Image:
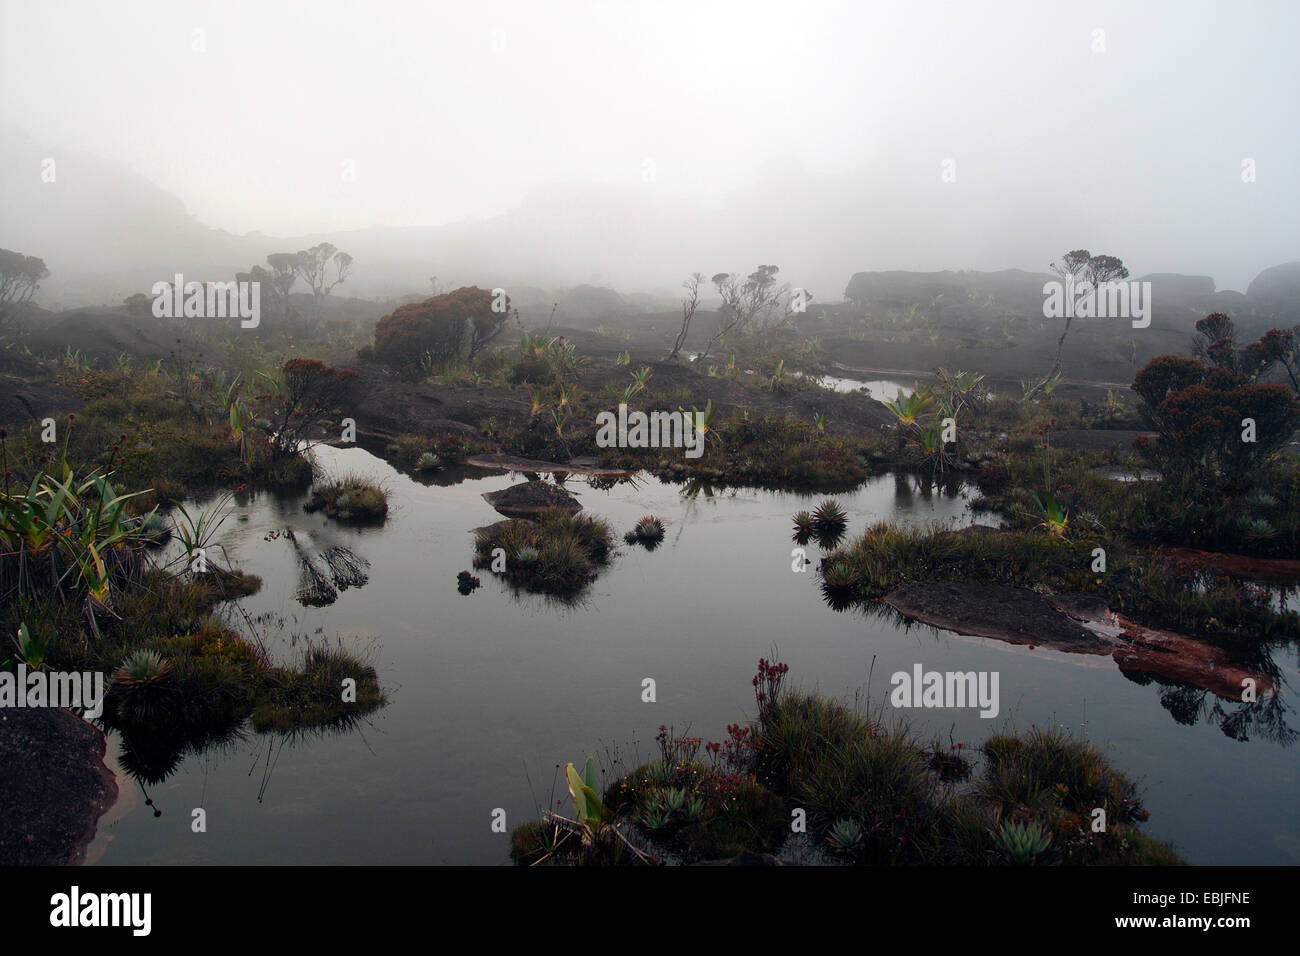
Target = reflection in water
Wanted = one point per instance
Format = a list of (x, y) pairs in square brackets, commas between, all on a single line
[(484, 673), (151, 754), (1186, 704), (1264, 719), (323, 575)]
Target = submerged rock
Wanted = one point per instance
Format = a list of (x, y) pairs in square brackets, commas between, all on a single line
[(531, 498)]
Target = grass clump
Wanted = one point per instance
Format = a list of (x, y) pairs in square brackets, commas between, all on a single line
[(351, 498), (1147, 588), (330, 688), (762, 451), (871, 791), (875, 795), (648, 532), (425, 453), (556, 553)]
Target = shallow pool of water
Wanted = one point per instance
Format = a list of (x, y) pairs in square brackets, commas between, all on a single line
[(490, 691)]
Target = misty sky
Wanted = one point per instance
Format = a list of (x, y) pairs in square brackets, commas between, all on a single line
[(830, 118)]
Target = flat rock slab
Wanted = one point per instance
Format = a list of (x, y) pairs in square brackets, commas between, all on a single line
[(537, 467), (1075, 624), (1007, 614), (531, 498), (54, 786)]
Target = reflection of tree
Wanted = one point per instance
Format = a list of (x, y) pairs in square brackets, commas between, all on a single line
[(693, 488), (322, 576), (1185, 703), (151, 754), (1263, 719), (607, 482)]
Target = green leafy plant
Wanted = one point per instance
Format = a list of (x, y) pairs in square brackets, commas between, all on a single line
[(845, 837), (1023, 843), (1053, 517)]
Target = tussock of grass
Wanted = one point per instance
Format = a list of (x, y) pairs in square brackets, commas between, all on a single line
[(1145, 587), (350, 498), (842, 765), (764, 451), (872, 792), (313, 695), (556, 553), (218, 677)]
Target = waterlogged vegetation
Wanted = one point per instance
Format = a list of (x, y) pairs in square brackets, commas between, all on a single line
[(852, 787), (648, 532), (102, 569), (350, 498), (557, 553), (1151, 589), (114, 559)]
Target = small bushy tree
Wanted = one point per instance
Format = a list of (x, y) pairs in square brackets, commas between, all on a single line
[(307, 391), (439, 328), (20, 277), (1201, 413)]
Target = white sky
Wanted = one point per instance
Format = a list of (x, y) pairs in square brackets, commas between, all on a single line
[(454, 110)]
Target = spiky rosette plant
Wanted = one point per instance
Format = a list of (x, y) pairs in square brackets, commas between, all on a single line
[(650, 528), (649, 531), (845, 837), (804, 527), (143, 685), (839, 575), (830, 518), (1023, 843)]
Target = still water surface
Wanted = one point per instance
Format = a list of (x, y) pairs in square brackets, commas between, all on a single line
[(491, 690)]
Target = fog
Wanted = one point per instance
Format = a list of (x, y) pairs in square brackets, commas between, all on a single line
[(631, 144)]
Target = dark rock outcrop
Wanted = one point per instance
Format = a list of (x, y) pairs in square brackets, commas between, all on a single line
[(1279, 284), (27, 390), (54, 787)]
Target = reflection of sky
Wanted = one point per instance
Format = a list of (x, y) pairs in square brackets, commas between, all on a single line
[(491, 690)]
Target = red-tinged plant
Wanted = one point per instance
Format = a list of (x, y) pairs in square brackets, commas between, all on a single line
[(308, 390), (437, 329), (767, 682), (1217, 428)]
